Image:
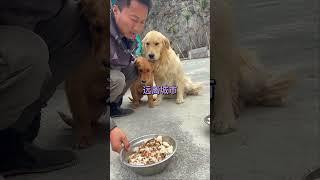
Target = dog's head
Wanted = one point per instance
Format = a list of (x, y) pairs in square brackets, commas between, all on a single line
[(145, 70), (154, 45)]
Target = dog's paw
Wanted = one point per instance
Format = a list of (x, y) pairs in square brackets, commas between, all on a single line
[(151, 105), (83, 142), (223, 127), (157, 102), (179, 101), (135, 105)]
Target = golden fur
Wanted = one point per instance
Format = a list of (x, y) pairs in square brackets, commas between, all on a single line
[(168, 69), (85, 87), (145, 78), (240, 79)]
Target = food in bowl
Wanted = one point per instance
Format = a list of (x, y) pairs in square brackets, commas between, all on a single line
[(152, 151)]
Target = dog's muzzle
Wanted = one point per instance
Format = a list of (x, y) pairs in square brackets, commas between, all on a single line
[(151, 56)]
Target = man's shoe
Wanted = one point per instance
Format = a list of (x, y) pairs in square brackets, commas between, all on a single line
[(120, 112), (313, 175), (36, 160)]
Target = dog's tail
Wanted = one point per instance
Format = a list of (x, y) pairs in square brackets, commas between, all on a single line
[(261, 86), (192, 88), (276, 90), (67, 119)]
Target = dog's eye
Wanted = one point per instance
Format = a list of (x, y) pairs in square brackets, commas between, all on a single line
[(140, 70), (147, 44), (156, 44)]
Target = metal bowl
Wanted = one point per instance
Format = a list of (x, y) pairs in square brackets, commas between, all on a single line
[(207, 120), (151, 169)]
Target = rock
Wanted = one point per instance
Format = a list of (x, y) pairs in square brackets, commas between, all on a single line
[(186, 23)]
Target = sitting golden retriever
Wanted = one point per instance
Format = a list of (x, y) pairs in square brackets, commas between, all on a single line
[(167, 66), (240, 79), (145, 78)]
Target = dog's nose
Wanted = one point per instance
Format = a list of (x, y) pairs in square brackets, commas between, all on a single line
[(151, 56), (143, 81)]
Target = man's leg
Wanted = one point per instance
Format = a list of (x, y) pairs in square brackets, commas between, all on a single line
[(118, 88), (117, 84), (23, 69), (131, 75), (116, 110), (313, 175)]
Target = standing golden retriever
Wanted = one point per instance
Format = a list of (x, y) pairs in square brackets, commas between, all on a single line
[(86, 86), (168, 69)]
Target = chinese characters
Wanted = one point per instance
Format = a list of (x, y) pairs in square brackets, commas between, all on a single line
[(166, 90)]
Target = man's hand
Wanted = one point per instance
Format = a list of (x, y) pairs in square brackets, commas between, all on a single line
[(117, 138)]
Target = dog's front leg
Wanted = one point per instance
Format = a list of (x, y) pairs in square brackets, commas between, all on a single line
[(224, 115), (80, 112), (158, 100), (150, 101), (225, 70), (160, 95), (180, 92), (135, 96)]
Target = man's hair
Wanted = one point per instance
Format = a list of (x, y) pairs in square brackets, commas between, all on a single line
[(126, 3)]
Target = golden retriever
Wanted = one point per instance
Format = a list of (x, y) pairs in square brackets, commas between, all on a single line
[(240, 79), (85, 87), (167, 66), (145, 78)]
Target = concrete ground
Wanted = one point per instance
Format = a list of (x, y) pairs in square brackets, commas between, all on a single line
[(55, 134), (183, 122), (277, 143)]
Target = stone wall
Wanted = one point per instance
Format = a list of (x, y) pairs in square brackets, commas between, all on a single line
[(185, 22)]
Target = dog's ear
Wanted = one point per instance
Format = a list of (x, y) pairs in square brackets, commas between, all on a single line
[(166, 43), (143, 45), (137, 62), (144, 41)]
